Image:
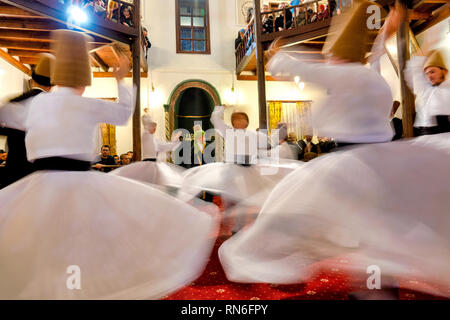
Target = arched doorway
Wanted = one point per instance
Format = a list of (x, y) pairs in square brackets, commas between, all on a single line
[(190, 103), (193, 106), (180, 106)]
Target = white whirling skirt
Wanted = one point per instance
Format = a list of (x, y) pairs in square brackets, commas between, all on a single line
[(384, 204), (129, 240), (235, 182), (159, 173)]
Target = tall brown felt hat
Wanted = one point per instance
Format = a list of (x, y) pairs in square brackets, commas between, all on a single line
[(72, 66), (350, 37), (435, 59), (42, 72), (45, 65)]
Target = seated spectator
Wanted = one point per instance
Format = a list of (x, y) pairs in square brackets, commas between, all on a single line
[(307, 146), (124, 159), (147, 41), (131, 156), (126, 16), (3, 156), (116, 158), (294, 145), (325, 145), (105, 159), (279, 22), (309, 156)]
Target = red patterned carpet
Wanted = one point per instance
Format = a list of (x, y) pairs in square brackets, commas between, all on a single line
[(328, 284)]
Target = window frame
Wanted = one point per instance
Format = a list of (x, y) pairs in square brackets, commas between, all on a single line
[(192, 27)]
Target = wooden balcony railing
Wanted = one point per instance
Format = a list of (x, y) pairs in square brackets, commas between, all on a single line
[(302, 15), (105, 17)]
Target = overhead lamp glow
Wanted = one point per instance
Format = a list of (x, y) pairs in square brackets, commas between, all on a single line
[(155, 98), (77, 15), (230, 96), (297, 79), (301, 85)]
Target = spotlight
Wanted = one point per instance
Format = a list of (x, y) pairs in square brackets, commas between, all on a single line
[(77, 15)]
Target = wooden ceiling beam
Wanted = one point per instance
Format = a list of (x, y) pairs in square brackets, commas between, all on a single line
[(11, 11), (17, 64), (28, 60), (34, 46), (21, 24), (99, 61), (111, 75), (25, 53), (416, 15), (36, 35), (25, 45), (40, 36), (245, 77), (437, 16)]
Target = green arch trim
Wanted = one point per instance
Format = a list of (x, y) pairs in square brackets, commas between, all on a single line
[(194, 80)]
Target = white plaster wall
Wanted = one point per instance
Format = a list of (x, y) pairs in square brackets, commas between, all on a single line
[(11, 84)]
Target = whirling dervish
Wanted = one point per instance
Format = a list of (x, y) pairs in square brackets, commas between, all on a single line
[(382, 206), (138, 244)]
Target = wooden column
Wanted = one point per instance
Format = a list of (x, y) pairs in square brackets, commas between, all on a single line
[(260, 70), (136, 52), (406, 95)]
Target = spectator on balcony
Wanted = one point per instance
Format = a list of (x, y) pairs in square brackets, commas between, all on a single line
[(239, 39), (267, 20), (249, 16), (279, 22), (294, 3), (322, 13), (343, 5), (147, 41), (126, 16), (113, 10), (98, 6), (301, 16)]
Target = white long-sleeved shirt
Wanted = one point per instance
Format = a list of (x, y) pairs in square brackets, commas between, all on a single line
[(14, 114), (358, 103), (430, 100), (151, 145), (238, 142), (63, 124)]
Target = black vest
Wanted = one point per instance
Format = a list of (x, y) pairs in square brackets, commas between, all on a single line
[(17, 165)]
